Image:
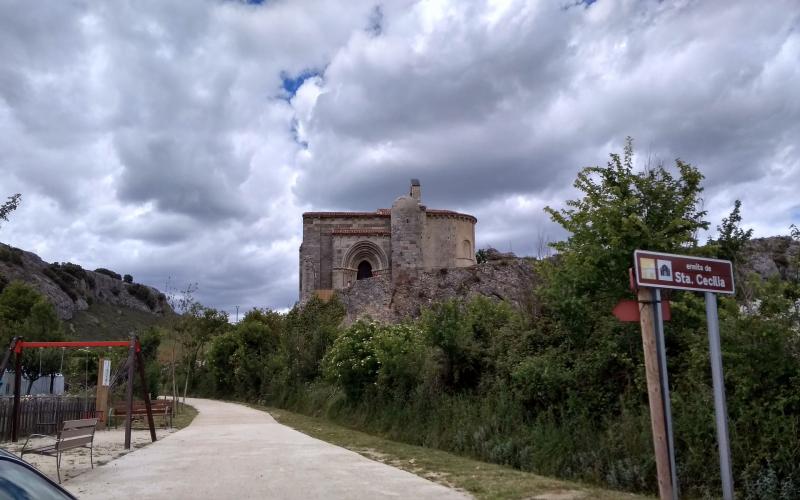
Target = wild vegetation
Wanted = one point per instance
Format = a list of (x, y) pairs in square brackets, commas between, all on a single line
[(561, 391)]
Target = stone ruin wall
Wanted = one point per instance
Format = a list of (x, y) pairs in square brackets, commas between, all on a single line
[(511, 279)]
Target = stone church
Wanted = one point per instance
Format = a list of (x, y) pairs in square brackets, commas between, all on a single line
[(340, 248)]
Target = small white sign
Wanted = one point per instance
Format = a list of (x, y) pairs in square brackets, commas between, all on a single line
[(664, 269), (106, 372)]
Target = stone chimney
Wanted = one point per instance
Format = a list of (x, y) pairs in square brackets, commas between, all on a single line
[(415, 190)]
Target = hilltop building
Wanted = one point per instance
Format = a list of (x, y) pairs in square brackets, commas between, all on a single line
[(340, 248)]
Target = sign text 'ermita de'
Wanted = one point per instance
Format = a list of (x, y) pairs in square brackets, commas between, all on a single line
[(683, 272)]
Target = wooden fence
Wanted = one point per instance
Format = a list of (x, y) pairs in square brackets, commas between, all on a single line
[(43, 414)]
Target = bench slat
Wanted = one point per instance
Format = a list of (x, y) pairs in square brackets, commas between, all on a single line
[(68, 444), (73, 433), (77, 424)]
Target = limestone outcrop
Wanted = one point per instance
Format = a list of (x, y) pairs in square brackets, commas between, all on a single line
[(509, 278), (71, 288)]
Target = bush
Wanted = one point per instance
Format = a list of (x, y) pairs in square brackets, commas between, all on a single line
[(352, 362), (108, 272), (65, 281), (127, 278), (10, 254), (144, 294)]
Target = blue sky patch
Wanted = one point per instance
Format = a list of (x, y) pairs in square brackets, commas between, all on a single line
[(291, 83)]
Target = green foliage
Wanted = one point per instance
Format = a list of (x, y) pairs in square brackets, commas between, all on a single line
[(310, 331), (150, 341), (562, 392), (481, 256), (10, 254), (352, 362), (108, 272), (732, 238), (127, 278), (144, 294), (620, 210), (66, 279), (243, 360), (9, 206), (27, 314)]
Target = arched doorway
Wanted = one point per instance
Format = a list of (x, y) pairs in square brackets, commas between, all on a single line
[(364, 270)]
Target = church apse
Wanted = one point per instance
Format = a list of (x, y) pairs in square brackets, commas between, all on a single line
[(340, 248)]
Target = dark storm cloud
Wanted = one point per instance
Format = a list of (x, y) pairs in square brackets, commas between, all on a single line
[(482, 104)]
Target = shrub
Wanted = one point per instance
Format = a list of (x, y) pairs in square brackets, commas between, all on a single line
[(10, 254), (108, 272), (127, 278), (143, 293), (65, 281), (352, 361)]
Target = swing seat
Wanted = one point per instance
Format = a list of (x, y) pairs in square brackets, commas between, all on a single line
[(73, 434)]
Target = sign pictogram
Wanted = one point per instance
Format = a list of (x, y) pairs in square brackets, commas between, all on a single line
[(683, 272)]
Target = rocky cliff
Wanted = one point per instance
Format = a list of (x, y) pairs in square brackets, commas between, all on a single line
[(501, 277), (72, 289), (507, 277)]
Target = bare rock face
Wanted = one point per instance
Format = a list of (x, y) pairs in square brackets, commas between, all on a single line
[(508, 278), (71, 288), (776, 256)]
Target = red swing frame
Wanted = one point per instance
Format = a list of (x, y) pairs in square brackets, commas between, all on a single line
[(134, 361)]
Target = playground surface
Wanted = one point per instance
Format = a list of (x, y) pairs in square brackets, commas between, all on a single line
[(232, 451), (109, 444)]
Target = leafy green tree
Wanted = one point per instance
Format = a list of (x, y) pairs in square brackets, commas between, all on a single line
[(26, 313), (310, 331), (621, 209), (732, 238), (9, 206), (193, 330)]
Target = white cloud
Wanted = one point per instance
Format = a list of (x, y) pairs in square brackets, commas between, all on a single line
[(158, 138)]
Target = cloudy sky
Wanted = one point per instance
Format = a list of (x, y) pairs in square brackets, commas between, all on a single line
[(182, 140)]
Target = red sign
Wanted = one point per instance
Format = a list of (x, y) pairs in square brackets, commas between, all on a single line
[(683, 272), (629, 311)]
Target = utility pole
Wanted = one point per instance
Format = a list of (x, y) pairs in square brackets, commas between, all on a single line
[(237, 314)]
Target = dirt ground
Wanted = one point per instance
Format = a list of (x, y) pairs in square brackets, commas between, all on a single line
[(108, 445)]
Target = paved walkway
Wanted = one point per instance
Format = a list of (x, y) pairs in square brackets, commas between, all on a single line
[(231, 451)]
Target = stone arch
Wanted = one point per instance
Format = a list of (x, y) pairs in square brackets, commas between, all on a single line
[(365, 251), (466, 249)]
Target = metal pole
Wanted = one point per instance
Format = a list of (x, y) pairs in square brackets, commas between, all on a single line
[(662, 365), (17, 384), (129, 394), (720, 408)]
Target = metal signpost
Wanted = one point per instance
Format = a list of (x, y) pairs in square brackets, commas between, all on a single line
[(654, 271)]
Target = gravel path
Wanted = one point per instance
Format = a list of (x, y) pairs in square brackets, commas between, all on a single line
[(231, 451)]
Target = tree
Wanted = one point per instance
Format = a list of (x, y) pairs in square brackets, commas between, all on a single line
[(732, 238), (193, 330), (622, 210), (9, 206), (26, 313)]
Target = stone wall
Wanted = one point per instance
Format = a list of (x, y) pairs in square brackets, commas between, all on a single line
[(510, 279)]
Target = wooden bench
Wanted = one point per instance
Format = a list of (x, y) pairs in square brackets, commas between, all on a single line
[(161, 408), (73, 434)]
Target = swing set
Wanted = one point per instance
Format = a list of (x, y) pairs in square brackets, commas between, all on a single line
[(134, 363)]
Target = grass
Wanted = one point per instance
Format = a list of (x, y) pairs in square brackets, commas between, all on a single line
[(110, 322), (483, 480), (181, 419), (184, 416)]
